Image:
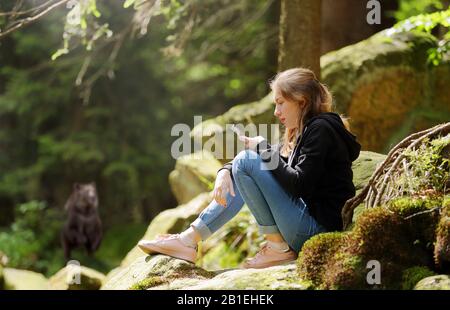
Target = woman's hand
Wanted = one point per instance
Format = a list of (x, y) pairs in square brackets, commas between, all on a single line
[(251, 143), (222, 186)]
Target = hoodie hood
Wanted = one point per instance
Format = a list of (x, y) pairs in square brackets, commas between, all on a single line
[(336, 122)]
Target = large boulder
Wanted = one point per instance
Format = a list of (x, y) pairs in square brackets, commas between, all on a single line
[(193, 174), (163, 272), (149, 271), (77, 278), (171, 221), (386, 87), (273, 278), (363, 168), (214, 132), (17, 279)]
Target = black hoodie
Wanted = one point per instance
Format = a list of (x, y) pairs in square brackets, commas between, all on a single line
[(319, 168)]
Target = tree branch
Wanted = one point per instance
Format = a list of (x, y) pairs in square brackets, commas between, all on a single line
[(32, 10), (31, 19)]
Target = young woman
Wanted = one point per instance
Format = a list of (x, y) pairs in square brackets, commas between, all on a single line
[(295, 189)]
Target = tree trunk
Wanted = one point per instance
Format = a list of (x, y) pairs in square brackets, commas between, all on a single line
[(300, 35)]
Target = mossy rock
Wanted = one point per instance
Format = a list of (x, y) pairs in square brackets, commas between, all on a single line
[(340, 260), (17, 279), (315, 252), (439, 282), (422, 220), (364, 167), (381, 233), (385, 86), (209, 133), (193, 174), (171, 221), (147, 271), (272, 278), (67, 279)]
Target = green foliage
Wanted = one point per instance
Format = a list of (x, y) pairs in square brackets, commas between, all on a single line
[(426, 23), (429, 167), (237, 240), (81, 25), (408, 8), (28, 240), (413, 275), (33, 241), (121, 139)]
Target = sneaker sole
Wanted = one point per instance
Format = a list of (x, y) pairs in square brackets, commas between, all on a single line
[(153, 249), (144, 249)]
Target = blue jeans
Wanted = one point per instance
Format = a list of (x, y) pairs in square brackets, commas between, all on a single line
[(274, 209)]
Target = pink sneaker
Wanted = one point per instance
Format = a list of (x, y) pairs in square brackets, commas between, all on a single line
[(268, 257), (169, 244), (142, 243)]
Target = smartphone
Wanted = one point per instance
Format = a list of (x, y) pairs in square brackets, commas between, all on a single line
[(239, 133), (236, 130)]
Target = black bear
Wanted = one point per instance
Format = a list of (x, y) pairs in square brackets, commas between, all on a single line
[(83, 226)]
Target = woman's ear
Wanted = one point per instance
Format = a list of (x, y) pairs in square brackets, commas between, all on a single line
[(302, 103)]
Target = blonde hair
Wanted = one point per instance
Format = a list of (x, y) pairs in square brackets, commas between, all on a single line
[(301, 84)]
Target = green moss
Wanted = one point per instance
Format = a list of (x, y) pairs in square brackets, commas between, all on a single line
[(412, 275), (380, 233), (147, 283), (315, 254), (405, 206), (186, 270), (421, 225), (345, 271), (446, 203)]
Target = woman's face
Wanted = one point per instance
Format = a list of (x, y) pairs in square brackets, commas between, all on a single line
[(286, 110)]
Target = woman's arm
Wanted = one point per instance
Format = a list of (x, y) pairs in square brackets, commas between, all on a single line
[(309, 167), (228, 166)]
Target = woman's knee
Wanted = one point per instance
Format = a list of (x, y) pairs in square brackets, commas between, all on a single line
[(245, 161)]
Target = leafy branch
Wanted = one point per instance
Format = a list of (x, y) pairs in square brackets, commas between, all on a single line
[(37, 13), (429, 23), (382, 185)]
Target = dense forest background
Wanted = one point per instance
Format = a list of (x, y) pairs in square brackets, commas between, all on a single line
[(105, 114)]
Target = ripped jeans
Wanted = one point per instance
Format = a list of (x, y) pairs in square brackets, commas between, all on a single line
[(274, 209)]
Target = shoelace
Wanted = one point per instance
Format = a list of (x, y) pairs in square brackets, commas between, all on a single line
[(262, 251)]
